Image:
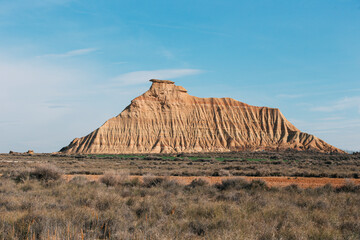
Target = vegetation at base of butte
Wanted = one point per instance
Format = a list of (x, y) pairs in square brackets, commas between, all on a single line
[(258, 164)]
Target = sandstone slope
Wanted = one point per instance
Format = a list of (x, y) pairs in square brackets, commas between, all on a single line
[(166, 119)]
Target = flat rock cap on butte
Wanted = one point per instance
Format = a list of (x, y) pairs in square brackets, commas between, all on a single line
[(166, 119), (161, 81)]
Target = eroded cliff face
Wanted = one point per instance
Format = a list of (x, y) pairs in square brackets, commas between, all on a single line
[(166, 119)]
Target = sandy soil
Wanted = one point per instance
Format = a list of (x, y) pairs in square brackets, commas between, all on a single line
[(271, 181)]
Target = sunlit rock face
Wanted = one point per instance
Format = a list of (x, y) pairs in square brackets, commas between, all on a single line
[(166, 119)]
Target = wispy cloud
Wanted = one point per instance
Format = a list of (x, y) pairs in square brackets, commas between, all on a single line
[(72, 53), (317, 93), (342, 104), (338, 131), (290, 96), (10, 6), (32, 82), (58, 106), (168, 54), (331, 126), (192, 28), (138, 77), (335, 118)]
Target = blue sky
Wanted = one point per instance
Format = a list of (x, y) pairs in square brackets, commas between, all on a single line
[(67, 66)]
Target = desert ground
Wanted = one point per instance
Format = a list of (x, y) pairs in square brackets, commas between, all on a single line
[(244, 195)]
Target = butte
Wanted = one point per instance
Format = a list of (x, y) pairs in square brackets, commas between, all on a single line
[(166, 119)]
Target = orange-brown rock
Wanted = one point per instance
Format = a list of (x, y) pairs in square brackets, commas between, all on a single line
[(166, 119), (30, 152)]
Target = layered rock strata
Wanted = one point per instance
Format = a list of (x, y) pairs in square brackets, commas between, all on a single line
[(166, 119)]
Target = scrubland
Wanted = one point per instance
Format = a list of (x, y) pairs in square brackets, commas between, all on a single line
[(289, 163), (36, 203)]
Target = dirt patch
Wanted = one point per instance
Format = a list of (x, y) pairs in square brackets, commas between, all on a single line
[(302, 182)]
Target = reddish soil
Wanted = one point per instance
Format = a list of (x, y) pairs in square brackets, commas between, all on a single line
[(271, 181)]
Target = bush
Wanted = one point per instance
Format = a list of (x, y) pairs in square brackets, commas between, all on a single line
[(113, 178), (222, 172), (257, 184), (198, 183), (152, 181), (232, 183), (46, 172), (43, 172), (79, 180), (197, 228), (20, 175), (171, 185), (349, 186), (293, 188), (132, 182)]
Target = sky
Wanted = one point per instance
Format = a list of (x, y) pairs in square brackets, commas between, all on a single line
[(68, 66)]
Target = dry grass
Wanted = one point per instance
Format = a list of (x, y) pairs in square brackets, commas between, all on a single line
[(123, 208), (302, 182)]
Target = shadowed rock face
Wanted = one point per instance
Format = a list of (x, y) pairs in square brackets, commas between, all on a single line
[(166, 119)]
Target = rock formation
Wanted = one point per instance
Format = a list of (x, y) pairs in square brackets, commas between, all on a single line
[(166, 119)]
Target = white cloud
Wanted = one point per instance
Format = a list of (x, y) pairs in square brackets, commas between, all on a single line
[(138, 77), (72, 53), (342, 104)]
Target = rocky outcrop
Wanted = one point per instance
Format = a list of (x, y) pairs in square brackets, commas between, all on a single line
[(166, 119)]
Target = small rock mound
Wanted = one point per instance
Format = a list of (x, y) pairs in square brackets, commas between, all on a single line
[(30, 152)]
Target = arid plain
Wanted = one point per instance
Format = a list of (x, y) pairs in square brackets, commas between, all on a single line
[(243, 195)]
